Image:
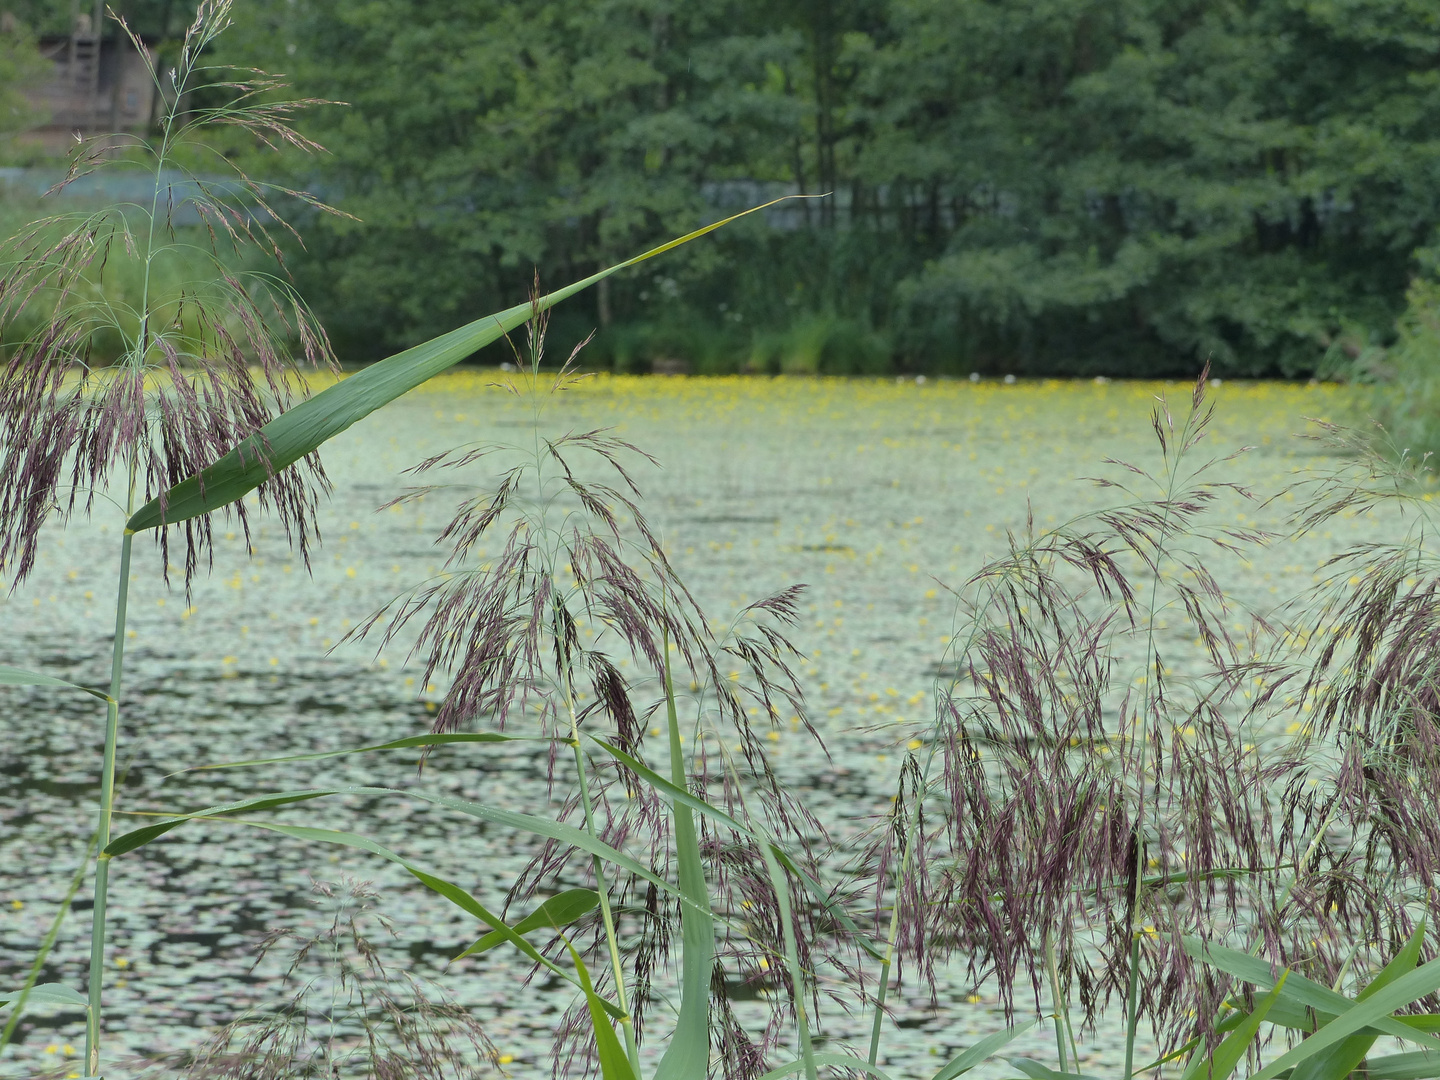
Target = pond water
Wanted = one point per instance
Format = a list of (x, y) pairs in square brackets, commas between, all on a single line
[(873, 494)]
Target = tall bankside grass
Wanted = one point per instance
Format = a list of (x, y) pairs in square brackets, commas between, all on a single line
[(1248, 849)]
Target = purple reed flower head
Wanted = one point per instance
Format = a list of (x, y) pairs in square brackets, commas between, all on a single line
[(560, 608), (144, 357)]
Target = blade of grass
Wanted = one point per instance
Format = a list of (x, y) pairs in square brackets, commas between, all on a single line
[(1037, 1071), (688, 1054), (1342, 1060), (1223, 1061), (1418, 1065), (614, 1065), (303, 429), (983, 1050), (1300, 991), (46, 945), (560, 910), (46, 994), (398, 744), (13, 676), (714, 813), (543, 827), (792, 959), (839, 1061), (1405, 989)]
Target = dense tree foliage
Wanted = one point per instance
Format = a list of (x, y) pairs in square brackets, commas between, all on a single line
[(1120, 186)]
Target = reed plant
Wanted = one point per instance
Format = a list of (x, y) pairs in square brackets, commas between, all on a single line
[(1080, 823)]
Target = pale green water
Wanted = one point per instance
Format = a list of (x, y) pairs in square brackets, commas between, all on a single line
[(866, 492)]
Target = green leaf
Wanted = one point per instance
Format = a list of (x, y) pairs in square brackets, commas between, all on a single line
[(1037, 1071), (1402, 963), (448, 889), (398, 744), (47, 994), (1223, 1061), (984, 1049), (1298, 991), (1034, 1070), (540, 826), (510, 819), (676, 793), (143, 835), (314, 421), (614, 1065), (688, 1055), (560, 910), (1419, 1065), (1405, 989), (1340, 1061), (14, 676), (840, 1061)]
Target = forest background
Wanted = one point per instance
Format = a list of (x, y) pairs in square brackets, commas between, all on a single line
[(1117, 187)]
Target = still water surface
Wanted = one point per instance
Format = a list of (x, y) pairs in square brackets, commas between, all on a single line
[(875, 495)]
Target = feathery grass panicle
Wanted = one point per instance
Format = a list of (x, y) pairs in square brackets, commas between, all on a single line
[(558, 608), (1081, 794), (1087, 799), (146, 348), (349, 1014)]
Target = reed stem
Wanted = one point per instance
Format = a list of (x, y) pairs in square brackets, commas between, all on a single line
[(107, 807)]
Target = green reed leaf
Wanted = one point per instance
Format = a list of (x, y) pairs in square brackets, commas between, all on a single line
[(449, 890), (140, 837), (678, 794), (560, 910), (314, 421), (1302, 992), (14, 676), (688, 1054), (510, 819), (1223, 1061), (983, 1050), (1341, 1060), (1036, 1071), (1417, 1065), (840, 1061), (398, 744), (614, 1065), (1372, 1011), (47, 994)]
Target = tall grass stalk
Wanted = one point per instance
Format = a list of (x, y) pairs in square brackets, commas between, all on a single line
[(47, 944), (183, 385), (107, 808)]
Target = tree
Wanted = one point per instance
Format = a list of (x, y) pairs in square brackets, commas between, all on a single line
[(1138, 186), (1126, 186)]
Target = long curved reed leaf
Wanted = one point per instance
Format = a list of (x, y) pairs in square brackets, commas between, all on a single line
[(1370, 1012), (560, 910), (688, 1053), (1222, 1061), (1416, 1065), (14, 676), (48, 994), (1302, 992), (678, 794), (614, 1065), (510, 819), (1343, 1059), (841, 1061), (300, 431), (433, 739), (986, 1048)]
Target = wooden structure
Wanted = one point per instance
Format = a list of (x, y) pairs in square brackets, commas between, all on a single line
[(100, 84)]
